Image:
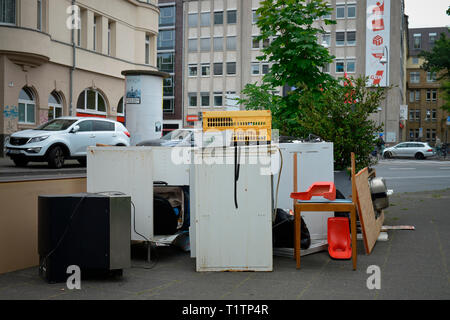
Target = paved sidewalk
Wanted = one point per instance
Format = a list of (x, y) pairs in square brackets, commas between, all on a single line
[(414, 265)]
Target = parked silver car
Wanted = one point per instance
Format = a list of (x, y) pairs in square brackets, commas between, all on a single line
[(418, 150), (64, 138)]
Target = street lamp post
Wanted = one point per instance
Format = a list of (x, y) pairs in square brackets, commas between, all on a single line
[(385, 61)]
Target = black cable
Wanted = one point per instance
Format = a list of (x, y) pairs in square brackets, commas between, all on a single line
[(236, 174)]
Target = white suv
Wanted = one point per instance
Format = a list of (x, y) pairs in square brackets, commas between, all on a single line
[(64, 138)]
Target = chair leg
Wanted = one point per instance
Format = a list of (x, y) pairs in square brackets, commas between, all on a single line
[(353, 226)]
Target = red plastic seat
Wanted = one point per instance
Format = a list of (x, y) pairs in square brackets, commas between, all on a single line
[(324, 189), (339, 243)]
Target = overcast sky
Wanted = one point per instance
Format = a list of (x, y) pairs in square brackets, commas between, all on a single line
[(427, 13)]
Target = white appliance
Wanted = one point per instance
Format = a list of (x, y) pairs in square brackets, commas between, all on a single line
[(315, 163), (132, 170), (222, 236)]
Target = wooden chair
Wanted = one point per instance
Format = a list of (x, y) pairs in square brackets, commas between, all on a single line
[(338, 205)]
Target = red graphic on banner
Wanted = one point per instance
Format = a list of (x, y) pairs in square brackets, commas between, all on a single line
[(378, 55), (378, 40), (377, 77), (378, 23)]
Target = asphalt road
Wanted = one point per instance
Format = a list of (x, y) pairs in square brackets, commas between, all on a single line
[(405, 175)]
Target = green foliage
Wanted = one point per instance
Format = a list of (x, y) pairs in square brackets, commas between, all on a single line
[(438, 60), (342, 115)]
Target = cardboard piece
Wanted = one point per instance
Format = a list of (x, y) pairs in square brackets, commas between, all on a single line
[(370, 225)]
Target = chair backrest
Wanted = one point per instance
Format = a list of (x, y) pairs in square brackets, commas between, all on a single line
[(338, 233)]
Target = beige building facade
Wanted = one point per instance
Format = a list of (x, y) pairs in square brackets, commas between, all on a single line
[(64, 57)]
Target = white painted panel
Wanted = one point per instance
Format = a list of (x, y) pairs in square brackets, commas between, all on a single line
[(315, 163), (227, 238), (127, 170)]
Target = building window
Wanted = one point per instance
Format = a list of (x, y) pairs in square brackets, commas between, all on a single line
[(351, 38), (415, 60), (417, 95), (218, 99), (411, 96), (165, 62), (91, 100), (192, 97), (255, 17), (231, 43), (205, 19), (265, 68), (168, 105), (231, 16), (192, 70), (8, 11), (411, 115), (428, 115), (351, 11), (94, 45), (431, 76), (418, 115), (414, 77), (54, 106), (193, 20), (340, 11), (206, 69), (218, 17), (231, 68), (326, 68), (218, 44), (417, 40), (168, 86), (433, 134), (340, 66), (351, 66), (255, 68), (434, 95), (27, 106), (218, 69), (428, 134), (255, 42), (109, 38), (265, 43), (340, 38), (416, 133), (428, 95), (327, 16), (166, 16), (147, 49), (121, 107), (166, 39), (205, 44), (204, 99), (193, 45), (326, 39), (411, 134), (39, 14), (433, 114), (432, 38)]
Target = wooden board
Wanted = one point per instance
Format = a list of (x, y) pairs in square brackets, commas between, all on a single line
[(370, 226)]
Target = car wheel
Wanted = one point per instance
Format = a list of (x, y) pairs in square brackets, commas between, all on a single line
[(388, 155), (20, 162), (82, 162), (56, 157), (419, 156)]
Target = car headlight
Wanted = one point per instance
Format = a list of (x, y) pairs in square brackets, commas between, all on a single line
[(38, 139)]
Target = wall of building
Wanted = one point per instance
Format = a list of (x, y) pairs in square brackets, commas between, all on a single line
[(18, 221)]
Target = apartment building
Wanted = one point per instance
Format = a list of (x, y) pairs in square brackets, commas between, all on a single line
[(426, 119), (220, 52), (66, 57), (170, 52)]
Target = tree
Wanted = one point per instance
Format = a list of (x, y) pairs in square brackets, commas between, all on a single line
[(296, 57), (438, 60)]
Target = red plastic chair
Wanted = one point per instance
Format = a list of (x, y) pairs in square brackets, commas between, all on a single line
[(339, 243), (317, 189)]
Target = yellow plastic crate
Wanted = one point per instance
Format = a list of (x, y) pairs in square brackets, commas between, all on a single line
[(253, 125)]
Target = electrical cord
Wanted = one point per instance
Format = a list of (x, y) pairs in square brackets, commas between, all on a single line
[(278, 185), (236, 173)]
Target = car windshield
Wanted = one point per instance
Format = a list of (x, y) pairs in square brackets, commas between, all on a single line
[(56, 125), (178, 134)]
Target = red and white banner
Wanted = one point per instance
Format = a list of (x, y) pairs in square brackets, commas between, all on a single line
[(378, 25)]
